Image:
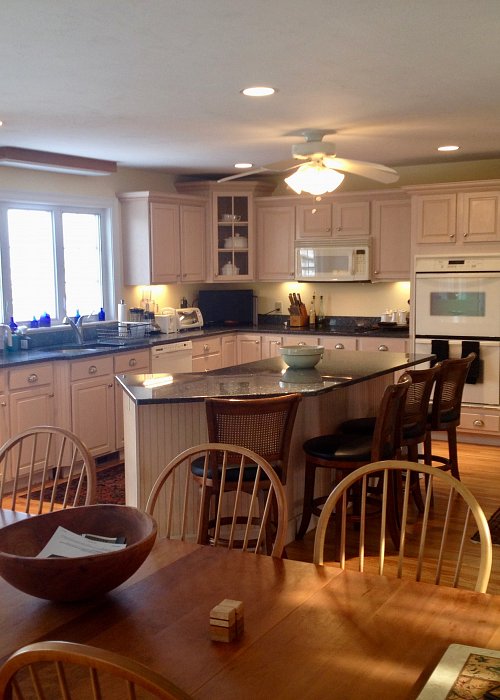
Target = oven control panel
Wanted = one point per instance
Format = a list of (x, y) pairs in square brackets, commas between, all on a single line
[(456, 263)]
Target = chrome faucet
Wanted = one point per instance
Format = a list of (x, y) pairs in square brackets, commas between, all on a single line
[(6, 332), (77, 328)]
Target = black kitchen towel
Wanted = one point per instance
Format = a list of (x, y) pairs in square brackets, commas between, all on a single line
[(469, 346), (441, 349)]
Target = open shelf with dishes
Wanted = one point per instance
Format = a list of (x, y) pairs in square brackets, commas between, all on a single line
[(232, 236)]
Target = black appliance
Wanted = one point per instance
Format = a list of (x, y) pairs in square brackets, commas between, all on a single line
[(226, 307)]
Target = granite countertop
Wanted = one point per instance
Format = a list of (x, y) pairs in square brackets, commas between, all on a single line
[(90, 349), (267, 378)]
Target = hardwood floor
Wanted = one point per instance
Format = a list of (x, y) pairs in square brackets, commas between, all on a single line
[(480, 472)]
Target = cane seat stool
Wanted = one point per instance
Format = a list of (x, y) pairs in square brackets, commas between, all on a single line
[(343, 453), (446, 409), (262, 425)]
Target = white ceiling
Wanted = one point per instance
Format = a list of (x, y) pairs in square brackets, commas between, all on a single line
[(156, 83)]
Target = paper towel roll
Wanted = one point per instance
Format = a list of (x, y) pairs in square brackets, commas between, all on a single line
[(122, 311)]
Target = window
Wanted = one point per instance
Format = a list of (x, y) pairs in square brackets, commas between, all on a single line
[(52, 261)]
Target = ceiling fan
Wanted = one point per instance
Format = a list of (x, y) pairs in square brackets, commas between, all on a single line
[(317, 167)]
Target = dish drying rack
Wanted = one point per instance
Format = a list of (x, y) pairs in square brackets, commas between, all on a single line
[(125, 333)]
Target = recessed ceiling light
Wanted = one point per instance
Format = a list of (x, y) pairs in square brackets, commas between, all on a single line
[(242, 166), (1, 122), (448, 148), (258, 91)]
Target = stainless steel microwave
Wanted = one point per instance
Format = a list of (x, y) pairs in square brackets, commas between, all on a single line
[(332, 262)]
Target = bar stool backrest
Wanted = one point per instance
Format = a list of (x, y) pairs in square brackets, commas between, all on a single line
[(447, 399)]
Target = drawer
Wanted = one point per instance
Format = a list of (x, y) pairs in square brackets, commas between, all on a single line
[(30, 376), (92, 367), (383, 344), (131, 361), (207, 346), (480, 422)]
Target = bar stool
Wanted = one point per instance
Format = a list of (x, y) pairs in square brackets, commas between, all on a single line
[(446, 409), (262, 425), (343, 452)]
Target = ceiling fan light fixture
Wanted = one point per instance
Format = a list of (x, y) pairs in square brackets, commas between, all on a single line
[(315, 179)]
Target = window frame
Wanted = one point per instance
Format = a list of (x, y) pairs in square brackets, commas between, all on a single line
[(105, 208)]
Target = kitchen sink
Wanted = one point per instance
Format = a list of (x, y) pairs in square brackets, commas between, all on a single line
[(76, 350)]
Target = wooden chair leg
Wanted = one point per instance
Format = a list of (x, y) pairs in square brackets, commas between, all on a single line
[(416, 491), (307, 508), (452, 452)]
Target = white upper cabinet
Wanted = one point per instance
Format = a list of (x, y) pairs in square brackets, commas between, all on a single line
[(275, 241), (391, 239), (232, 215), (327, 220), (163, 238), (457, 216)]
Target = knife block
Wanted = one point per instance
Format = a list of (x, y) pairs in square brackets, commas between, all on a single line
[(299, 320)]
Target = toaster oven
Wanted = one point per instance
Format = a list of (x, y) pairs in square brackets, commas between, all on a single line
[(189, 318)]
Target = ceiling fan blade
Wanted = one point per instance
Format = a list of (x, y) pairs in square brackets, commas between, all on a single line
[(282, 165), (257, 171), (373, 171)]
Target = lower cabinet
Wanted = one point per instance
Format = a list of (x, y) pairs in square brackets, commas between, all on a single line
[(137, 362), (229, 351), (207, 354), (31, 398), (337, 342), (383, 344), (249, 347), (93, 403), (270, 346)]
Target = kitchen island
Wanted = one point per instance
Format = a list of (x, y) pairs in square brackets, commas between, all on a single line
[(165, 414)]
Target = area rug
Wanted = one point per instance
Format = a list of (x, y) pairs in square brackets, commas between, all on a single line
[(494, 523), (110, 486)]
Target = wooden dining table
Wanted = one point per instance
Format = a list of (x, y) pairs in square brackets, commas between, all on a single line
[(310, 632)]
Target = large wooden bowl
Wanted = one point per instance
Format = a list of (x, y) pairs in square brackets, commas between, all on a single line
[(75, 578)]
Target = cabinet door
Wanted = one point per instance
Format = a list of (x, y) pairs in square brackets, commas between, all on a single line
[(229, 351), (4, 418), (351, 220), (93, 413), (165, 251), (270, 346), (391, 239), (435, 218), (206, 363), (478, 217), (275, 242), (234, 244), (314, 220), (30, 407), (192, 243), (249, 348)]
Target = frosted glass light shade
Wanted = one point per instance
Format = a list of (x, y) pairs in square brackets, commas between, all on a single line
[(315, 179)]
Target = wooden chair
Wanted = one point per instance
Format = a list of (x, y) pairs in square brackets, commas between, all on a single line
[(79, 672), (238, 518), (451, 513), (45, 468), (446, 409), (346, 452)]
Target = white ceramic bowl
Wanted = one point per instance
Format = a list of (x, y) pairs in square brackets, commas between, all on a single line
[(302, 356)]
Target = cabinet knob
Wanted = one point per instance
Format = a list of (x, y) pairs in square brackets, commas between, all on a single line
[(110, 386), (465, 234), (452, 235), (92, 369), (478, 423), (301, 343), (375, 272), (3, 403), (339, 228), (383, 348), (257, 342), (132, 362), (32, 378), (205, 348), (51, 396), (340, 346)]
